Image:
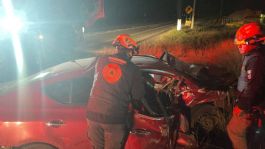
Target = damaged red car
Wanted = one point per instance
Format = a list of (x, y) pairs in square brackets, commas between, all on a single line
[(48, 109)]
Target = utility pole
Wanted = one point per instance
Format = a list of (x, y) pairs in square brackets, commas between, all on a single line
[(193, 15)]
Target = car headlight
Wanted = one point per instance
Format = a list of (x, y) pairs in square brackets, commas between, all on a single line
[(11, 24)]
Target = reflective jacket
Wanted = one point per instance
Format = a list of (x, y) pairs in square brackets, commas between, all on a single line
[(251, 83), (116, 82)]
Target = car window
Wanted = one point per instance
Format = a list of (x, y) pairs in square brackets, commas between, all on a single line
[(74, 91), (174, 84), (166, 87), (162, 81), (150, 94), (158, 100)]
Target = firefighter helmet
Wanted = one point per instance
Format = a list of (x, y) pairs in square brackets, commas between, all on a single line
[(247, 37), (124, 41)]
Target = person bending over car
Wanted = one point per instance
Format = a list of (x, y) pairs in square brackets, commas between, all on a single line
[(117, 81), (251, 83)]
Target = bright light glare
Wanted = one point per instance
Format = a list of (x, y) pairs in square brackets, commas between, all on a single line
[(11, 24), (19, 123), (18, 54), (41, 37), (7, 124), (41, 75)]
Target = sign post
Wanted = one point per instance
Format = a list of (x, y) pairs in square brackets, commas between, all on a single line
[(193, 14), (188, 11)]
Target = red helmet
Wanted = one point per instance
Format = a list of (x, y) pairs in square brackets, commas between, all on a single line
[(247, 37), (125, 41)]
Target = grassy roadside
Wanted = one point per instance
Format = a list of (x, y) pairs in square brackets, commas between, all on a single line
[(208, 44), (199, 38)]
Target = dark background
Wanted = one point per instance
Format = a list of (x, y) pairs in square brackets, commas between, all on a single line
[(118, 12)]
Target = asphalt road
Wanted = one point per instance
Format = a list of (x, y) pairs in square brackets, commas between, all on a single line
[(99, 40)]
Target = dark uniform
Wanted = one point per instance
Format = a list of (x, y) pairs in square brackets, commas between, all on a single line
[(117, 81), (251, 83), (251, 88)]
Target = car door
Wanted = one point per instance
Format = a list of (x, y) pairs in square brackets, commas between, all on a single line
[(151, 131), (66, 119)]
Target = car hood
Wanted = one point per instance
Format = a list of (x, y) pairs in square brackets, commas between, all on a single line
[(211, 77)]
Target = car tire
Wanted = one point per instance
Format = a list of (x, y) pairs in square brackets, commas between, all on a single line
[(208, 124), (37, 146), (208, 116)]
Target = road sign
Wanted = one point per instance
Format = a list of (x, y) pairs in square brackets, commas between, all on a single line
[(188, 9)]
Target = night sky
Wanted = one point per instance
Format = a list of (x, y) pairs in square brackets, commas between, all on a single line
[(129, 11), (137, 11)]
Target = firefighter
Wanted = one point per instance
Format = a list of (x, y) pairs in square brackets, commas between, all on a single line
[(251, 83), (117, 81)]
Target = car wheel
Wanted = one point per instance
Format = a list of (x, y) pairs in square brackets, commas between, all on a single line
[(208, 124), (37, 146)]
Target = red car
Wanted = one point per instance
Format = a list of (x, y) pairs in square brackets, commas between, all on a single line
[(48, 109)]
